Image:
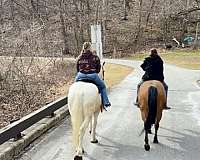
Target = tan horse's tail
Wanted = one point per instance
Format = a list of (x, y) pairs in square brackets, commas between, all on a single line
[(152, 104), (77, 118)]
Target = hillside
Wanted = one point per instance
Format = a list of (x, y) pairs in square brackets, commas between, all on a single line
[(54, 28)]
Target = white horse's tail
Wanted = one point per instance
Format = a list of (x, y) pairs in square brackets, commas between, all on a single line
[(77, 118)]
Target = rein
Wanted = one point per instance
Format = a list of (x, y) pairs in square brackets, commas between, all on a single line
[(103, 72)]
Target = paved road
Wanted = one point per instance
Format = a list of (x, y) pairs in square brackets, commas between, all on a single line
[(118, 129)]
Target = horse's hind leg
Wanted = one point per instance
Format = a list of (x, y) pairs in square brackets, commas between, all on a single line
[(95, 116), (156, 130), (90, 126), (149, 131), (83, 128), (147, 127), (146, 140)]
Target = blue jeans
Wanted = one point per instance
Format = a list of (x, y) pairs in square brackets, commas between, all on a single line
[(98, 81), (164, 85)]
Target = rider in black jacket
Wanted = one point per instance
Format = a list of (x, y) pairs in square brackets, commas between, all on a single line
[(153, 67)]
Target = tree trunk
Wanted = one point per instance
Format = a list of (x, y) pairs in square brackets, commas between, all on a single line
[(81, 23), (138, 34), (104, 19), (125, 9), (97, 12), (76, 28), (88, 16), (149, 13), (1, 11), (12, 12), (196, 36), (64, 35)]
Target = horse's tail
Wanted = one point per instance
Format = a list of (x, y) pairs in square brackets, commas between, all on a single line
[(152, 104), (77, 118)]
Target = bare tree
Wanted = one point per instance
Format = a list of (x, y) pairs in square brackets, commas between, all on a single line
[(139, 29), (65, 49)]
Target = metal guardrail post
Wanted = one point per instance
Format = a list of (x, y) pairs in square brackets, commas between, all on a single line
[(19, 135)]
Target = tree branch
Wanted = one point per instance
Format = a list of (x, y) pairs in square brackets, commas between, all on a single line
[(190, 10)]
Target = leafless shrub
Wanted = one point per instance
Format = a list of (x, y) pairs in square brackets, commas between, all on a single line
[(29, 83)]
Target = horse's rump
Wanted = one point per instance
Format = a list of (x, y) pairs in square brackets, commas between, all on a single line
[(151, 98), (88, 92), (146, 91), (83, 101)]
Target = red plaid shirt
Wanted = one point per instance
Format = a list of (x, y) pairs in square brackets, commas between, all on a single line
[(88, 63)]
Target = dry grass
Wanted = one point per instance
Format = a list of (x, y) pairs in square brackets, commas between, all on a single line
[(26, 85), (187, 59), (53, 82), (114, 74)]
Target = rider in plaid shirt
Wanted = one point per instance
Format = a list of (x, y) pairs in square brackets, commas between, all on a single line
[(88, 67)]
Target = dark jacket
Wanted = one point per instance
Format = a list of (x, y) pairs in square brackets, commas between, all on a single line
[(153, 67), (88, 63)]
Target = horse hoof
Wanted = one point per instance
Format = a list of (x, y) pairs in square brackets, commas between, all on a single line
[(82, 151), (95, 141), (147, 147), (155, 141), (78, 158), (149, 131)]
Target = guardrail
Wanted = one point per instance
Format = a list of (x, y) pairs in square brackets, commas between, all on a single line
[(14, 129)]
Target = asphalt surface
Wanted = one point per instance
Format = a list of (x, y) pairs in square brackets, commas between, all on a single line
[(118, 129)]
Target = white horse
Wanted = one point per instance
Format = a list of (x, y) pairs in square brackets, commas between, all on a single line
[(84, 102)]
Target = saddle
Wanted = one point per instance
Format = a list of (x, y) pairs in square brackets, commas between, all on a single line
[(89, 81)]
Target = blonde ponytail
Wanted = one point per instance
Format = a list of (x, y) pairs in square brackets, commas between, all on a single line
[(86, 46)]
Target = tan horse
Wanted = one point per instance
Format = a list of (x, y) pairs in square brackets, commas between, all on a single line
[(151, 98)]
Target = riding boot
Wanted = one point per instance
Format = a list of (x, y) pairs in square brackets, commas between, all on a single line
[(166, 92), (166, 107), (138, 86)]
